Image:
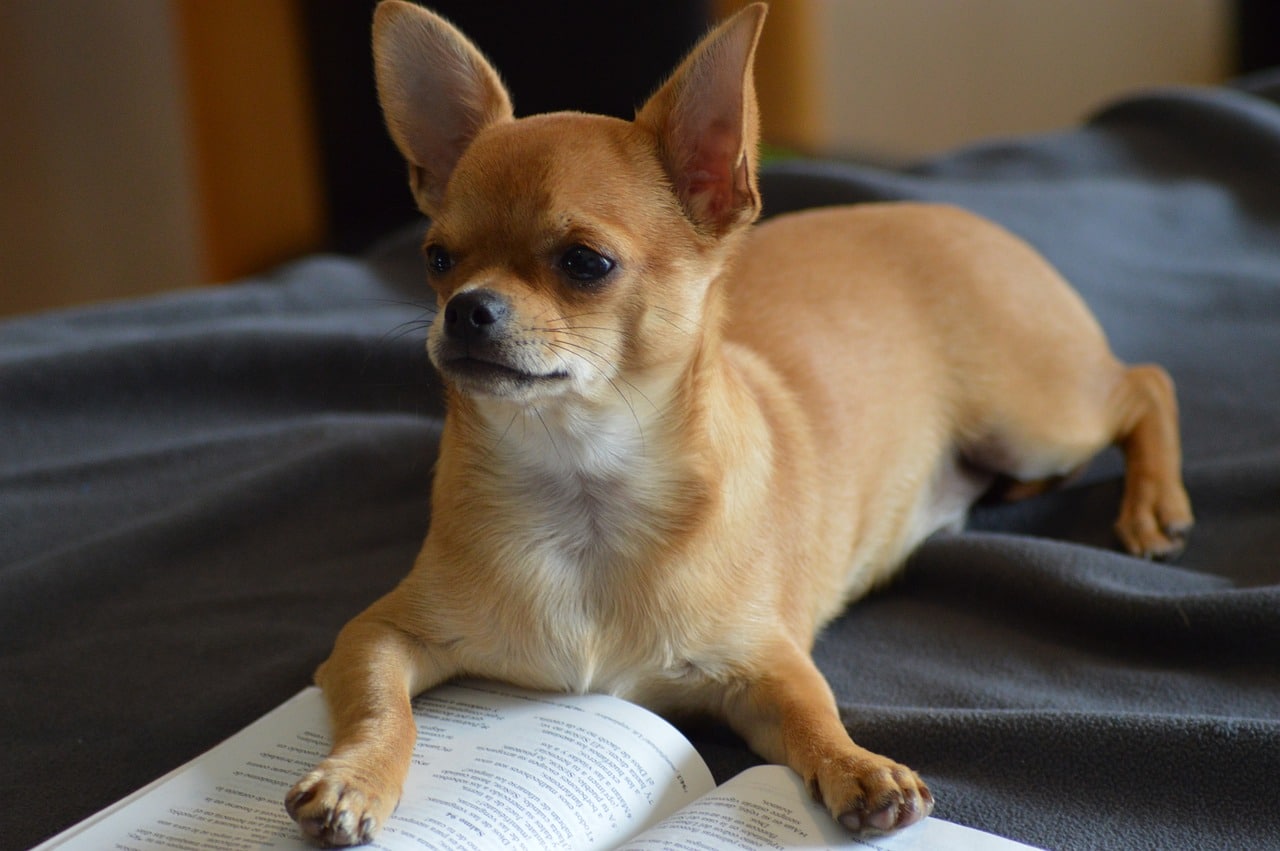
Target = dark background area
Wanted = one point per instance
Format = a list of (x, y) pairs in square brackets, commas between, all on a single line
[(1258, 34), (603, 57), (587, 55)]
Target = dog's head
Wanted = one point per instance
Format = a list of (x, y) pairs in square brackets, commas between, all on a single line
[(569, 253)]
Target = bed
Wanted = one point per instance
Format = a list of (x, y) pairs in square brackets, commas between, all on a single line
[(197, 490)]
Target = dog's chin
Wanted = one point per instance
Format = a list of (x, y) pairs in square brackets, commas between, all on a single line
[(484, 378)]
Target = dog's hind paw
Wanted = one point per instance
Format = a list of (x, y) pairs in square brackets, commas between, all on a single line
[(1155, 521), (334, 811)]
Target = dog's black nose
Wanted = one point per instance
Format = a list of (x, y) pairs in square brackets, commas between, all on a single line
[(475, 314)]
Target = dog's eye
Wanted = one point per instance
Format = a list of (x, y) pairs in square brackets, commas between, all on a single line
[(585, 266), (438, 259)]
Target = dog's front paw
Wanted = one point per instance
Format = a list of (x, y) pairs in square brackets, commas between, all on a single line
[(871, 794), (335, 806)]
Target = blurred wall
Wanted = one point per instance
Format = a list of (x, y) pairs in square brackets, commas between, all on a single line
[(96, 188), (149, 145), (902, 78)]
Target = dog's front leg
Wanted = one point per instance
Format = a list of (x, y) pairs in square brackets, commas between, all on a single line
[(368, 680), (787, 714)]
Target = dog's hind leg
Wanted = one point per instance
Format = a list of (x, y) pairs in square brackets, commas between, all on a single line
[(1155, 516), (1049, 426)]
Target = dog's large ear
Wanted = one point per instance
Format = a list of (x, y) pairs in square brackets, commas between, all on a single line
[(437, 92), (706, 124)]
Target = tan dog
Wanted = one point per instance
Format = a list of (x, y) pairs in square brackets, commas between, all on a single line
[(677, 444)]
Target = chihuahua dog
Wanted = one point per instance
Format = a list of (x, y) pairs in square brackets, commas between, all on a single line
[(677, 443)]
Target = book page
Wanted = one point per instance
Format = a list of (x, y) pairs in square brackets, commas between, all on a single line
[(768, 807), (494, 767)]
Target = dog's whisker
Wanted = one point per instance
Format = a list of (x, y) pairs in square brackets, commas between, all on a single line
[(694, 327), (632, 409), (613, 348), (400, 302), (565, 317), (577, 329), (565, 363), (396, 333), (613, 383), (403, 330), (599, 363), (581, 351), (497, 444), (547, 429)]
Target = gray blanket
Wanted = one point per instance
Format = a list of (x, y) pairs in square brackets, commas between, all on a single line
[(197, 490)]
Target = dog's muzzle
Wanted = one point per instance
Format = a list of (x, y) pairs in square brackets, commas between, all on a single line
[(482, 349)]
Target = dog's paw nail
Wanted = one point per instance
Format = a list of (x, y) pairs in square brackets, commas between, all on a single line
[(852, 821), (880, 821), (297, 800), (883, 820)]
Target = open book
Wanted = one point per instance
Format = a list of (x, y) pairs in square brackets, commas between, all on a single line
[(496, 768)]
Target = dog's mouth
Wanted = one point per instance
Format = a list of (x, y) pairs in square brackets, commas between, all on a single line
[(486, 376)]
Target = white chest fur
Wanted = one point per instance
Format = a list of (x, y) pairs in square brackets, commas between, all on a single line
[(576, 511), (587, 483)]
